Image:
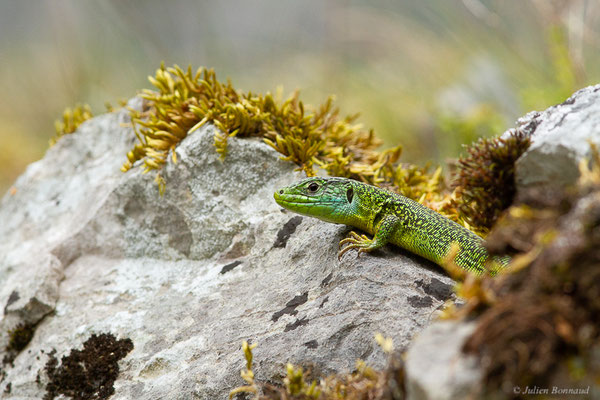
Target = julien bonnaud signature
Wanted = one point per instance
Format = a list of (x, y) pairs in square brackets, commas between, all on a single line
[(551, 390)]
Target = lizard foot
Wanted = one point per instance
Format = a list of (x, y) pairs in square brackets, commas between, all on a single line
[(356, 241)]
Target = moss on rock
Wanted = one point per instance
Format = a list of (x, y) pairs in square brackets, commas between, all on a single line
[(185, 100), (543, 312), (89, 373), (485, 182), (71, 119)]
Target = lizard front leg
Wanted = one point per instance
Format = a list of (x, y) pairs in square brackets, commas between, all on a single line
[(383, 232)]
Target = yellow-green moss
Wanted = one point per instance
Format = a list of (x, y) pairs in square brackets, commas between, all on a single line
[(71, 119), (364, 383), (185, 100)]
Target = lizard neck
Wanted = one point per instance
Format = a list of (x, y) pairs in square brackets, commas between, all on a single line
[(363, 210)]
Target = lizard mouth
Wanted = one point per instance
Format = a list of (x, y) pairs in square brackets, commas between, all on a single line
[(287, 199)]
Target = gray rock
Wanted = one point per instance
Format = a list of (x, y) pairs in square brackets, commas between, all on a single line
[(33, 296), (190, 275), (436, 368), (561, 137)]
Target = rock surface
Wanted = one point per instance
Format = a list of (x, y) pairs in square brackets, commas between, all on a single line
[(86, 249), (436, 367), (561, 137)]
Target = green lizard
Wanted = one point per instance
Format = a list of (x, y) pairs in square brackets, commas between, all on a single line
[(389, 217)]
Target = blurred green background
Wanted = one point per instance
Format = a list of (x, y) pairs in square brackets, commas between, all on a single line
[(432, 75)]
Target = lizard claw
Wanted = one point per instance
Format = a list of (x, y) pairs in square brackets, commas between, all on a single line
[(355, 241)]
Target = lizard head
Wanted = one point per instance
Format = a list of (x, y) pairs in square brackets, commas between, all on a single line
[(329, 199)]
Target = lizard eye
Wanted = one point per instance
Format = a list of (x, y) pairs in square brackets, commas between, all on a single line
[(313, 187)]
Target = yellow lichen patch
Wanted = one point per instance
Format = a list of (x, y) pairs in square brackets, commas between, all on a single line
[(71, 119), (185, 100)]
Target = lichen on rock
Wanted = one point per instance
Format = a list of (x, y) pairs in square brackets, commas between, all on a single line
[(189, 275)]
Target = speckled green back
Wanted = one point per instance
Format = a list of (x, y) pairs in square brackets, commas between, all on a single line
[(424, 231)]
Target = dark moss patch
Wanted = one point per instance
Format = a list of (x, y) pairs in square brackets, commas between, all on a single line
[(230, 266), (89, 373), (19, 338), (286, 231), (485, 182), (290, 307)]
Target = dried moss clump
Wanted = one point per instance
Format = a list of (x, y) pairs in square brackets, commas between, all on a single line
[(364, 383), (485, 182), (186, 100), (544, 315), (89, 373), (71, 119)]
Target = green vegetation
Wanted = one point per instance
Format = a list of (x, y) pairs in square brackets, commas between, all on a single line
[(364, 383), (71, 119), (566, 79), (186, 100)]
